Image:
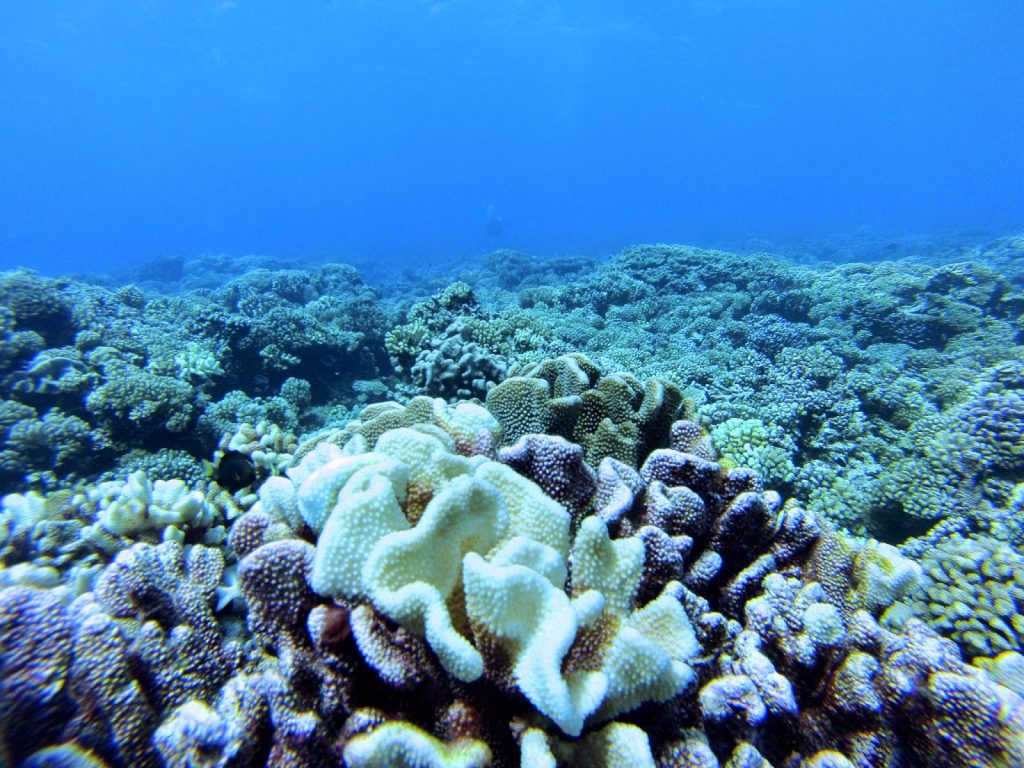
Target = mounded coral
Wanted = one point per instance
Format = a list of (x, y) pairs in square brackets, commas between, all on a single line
[(615, 415), (472, 427), (137, 506), (750, 443), (404, 343), (974, 593), (511, 543), (456, 367), (131, 400)]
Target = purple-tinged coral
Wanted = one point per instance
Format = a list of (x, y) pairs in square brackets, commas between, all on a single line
[(143, 642), (663, 561), (35, 651), (115, 717), (690, 751), (681, 469), (688, 437), (254, 529), (619, 488), (743, 528), (275, 582), (732, 703), (195, 734), (677, 510), (850, 687), (556, 465), (401, 659), (279, 731), (163, 599)]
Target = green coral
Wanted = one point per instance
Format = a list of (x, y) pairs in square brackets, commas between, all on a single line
[(54, 374), (751, 443), (197, 363), (996, 422), (441, 310), (456, 367), (965, 460), (882, 374), (512, 333), (974, 593), (845, 494), (405, 342), (937, 479)]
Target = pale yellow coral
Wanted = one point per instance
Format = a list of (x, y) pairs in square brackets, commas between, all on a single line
[(402, 745), (410, 574), (469, 554), (617, 745)]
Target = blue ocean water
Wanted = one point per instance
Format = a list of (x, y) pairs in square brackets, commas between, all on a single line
[(399, 129)]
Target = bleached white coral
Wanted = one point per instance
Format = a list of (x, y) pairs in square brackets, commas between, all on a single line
[(197, 363), (471, 555), (19, 512), (403, 745), (270, 447), (537, 623), (138, 505)]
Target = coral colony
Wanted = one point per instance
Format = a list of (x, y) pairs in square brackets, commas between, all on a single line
[(681, 508)]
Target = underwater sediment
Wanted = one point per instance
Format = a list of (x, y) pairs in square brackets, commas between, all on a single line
[(677, 508)]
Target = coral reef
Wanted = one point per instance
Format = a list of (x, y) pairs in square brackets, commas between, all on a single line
[(789, 535), (414, 605), (882, 381)]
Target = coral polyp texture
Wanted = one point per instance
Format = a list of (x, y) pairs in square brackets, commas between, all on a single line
[(678, 509)]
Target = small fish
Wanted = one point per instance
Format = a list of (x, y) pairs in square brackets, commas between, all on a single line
[(234, 471)]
